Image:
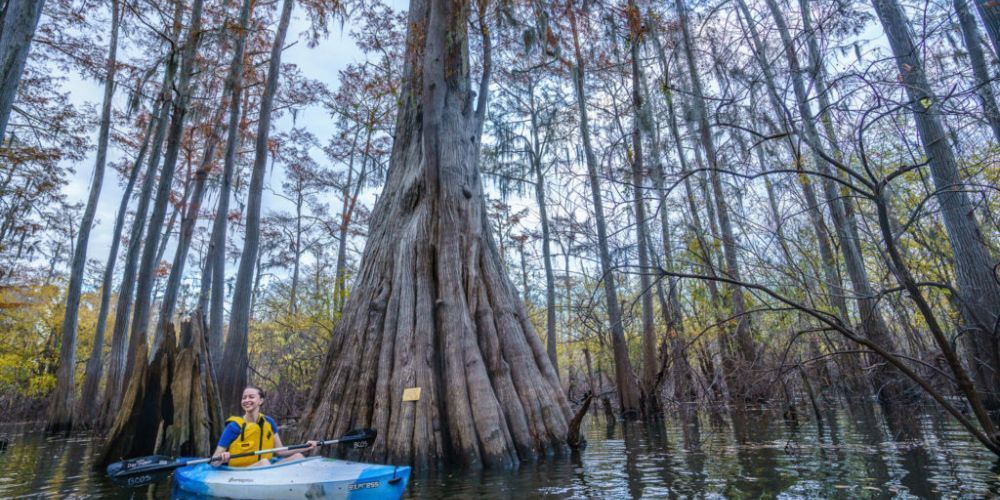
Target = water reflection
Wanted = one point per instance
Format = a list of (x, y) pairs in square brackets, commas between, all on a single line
[(856, 453)]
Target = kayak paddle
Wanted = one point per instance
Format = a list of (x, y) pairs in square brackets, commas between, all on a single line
[(144, 470)]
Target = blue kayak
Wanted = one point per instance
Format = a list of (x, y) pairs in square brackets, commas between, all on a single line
[(313, 477)]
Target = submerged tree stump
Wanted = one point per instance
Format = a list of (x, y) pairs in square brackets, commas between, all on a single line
[(432, 307), (171, 405), (573, 438)]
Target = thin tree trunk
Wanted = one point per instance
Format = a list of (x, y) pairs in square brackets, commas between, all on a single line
[(550, 279), (188, 221), (121, 362), (524, 273), (625, 379), (168, 394), (650, 366), (977, 59), (217, 247), (431, 307), (88, 404), (168, 229), (831, 278), (149, 260), (977, 286), (340, 283), (989, 11), (234, 357), (744, 388), (20, 19), (60, 414), (119, 339), (293, 296), (886, 381), (680, 369)]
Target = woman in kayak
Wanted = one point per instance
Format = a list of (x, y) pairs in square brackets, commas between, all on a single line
[(252, 432)]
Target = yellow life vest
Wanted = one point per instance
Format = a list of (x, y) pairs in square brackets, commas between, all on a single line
[(253, 436)]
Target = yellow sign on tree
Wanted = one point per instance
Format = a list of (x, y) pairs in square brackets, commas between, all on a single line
[(411, 394)]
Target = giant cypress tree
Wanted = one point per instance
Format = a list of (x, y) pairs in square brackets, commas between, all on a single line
[(432, 306)]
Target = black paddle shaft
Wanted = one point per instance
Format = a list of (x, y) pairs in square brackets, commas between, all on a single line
[(144, 470)]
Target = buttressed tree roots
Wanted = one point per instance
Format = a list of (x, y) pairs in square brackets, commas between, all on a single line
[(432, 306)]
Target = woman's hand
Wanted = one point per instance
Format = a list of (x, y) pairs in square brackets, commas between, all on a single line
[(312, 446), (219, 458)]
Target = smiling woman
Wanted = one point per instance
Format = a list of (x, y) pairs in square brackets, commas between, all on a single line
[(254, 431)]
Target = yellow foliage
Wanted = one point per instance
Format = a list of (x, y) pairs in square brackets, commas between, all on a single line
[(30, 335)]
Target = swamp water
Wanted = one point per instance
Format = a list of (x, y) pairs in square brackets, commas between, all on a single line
[(854, 454)]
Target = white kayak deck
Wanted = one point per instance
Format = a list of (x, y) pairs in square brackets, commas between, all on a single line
[(312, 477)]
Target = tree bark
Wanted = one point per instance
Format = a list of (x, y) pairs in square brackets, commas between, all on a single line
[(974, 268), (119, 341), (170, 405), (20, 19), (95, 364), (233, 379), (431, 307), (625, 380)]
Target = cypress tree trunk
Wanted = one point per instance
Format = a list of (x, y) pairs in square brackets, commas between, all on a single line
[(60, 414), (977, 59), (650, 366), (132, 263), (741, 384), (116, 358), (989, 11), (150, 251), (170, 405), (20, 19), (543, 216), (625, 380), (974, 268), (887, 382), (188, 222), (842, 209), (121, 359), (831, 278), (680, 369), (217, 248), (431, 307), (233, 379), (95, 364)]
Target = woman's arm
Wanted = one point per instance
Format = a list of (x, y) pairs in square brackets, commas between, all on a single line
[(220, 456), (288, 453)]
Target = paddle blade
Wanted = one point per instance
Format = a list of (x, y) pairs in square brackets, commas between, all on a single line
[(358, 438), (141, 471)]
